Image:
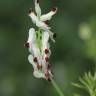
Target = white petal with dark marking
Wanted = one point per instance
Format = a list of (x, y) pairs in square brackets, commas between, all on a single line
[(39, 74), (48, 16), (33, 17), (30, 59), (37, 8)]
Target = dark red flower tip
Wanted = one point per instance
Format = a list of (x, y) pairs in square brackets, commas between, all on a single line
[(30, 11), (46, 58), (54, 35), (37, 1), (26, 45), (49, 79), (46, 51), (54, 9), (46, 22), (47, 74), (49, 66), (39, 66), (35, 59)]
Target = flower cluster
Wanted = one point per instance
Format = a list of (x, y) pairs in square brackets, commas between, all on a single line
[(38, 42)]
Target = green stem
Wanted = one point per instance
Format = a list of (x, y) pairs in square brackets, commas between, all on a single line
[(56, 87)]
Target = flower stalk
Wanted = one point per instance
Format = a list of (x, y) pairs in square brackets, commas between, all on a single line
[(56, 87)]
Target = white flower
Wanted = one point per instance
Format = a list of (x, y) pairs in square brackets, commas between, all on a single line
[(39, 59), (38, 43), (38, 23), (39, 19), (37, 73), (45, 44), (33, 47)]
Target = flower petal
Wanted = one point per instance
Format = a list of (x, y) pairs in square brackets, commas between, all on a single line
[(45, 45), (31, 39), (49, 15), (33, 17), (38, 23), (38, 74), (32, 36), (33, 48), (51, 34), (42, 25), (30, 59), (36, 53), (45, 38), (37, 8)]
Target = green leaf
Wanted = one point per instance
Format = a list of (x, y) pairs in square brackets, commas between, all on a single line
[(78, 85)]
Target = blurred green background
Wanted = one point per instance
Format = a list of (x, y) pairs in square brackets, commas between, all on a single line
[(73, 53)]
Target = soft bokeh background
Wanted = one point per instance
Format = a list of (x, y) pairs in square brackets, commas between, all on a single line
[(73, 54)]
